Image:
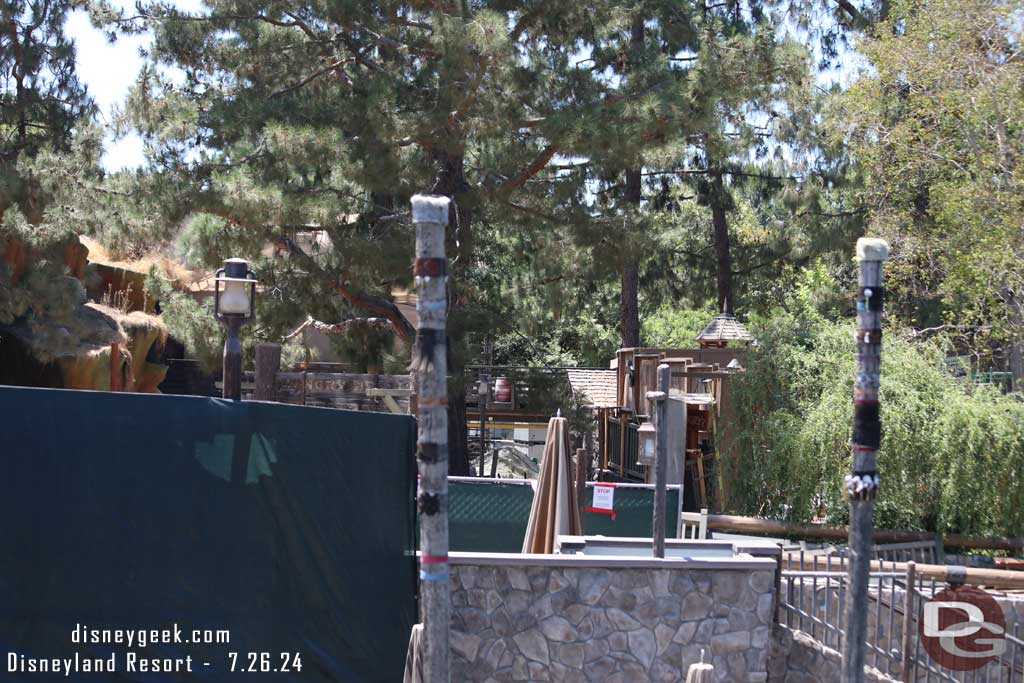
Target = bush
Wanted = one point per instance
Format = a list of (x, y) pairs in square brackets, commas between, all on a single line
[(952, 455)]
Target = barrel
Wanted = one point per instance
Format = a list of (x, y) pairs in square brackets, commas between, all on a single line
[(503, 390)]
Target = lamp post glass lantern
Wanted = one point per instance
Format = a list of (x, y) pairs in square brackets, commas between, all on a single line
[(648, 438), (234, 304)]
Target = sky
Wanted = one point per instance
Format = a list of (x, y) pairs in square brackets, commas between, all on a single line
[(108, 71)]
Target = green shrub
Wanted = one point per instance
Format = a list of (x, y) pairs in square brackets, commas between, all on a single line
[(952, 456)]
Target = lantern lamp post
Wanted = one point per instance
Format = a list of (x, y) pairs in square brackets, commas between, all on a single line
[(648, 441), (234, 304)]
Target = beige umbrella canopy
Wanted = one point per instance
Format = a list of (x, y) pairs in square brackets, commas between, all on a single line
[(554, 510)]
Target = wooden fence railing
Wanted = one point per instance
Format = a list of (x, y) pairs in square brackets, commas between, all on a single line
[(756, 525), (378, 393)]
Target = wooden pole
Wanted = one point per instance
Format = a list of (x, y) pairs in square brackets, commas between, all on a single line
[(581, 483), (115, 367), (862, 482), (660, 412), (232, 372), (268, 362), (908, 621), (700, 673), (494, 463), (430, 216), (483, 390)]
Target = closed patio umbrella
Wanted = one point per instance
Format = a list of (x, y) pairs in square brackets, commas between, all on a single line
[(554, 509)]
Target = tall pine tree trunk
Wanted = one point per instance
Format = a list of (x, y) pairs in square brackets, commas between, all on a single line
[(629, 310), (723, 255), (450, 181)]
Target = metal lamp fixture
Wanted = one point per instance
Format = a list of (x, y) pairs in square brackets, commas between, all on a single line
[(648, 438), (234, 304)]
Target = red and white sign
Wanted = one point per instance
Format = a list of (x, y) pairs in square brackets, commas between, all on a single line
[(604, 499)]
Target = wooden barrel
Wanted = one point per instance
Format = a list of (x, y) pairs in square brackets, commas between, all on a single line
[(503, 390)]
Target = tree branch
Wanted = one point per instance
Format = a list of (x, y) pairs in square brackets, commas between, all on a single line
[(337, 328), (854, 13), (535, 167), (368, 302)]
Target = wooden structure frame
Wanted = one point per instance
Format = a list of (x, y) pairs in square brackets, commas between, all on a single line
[(702, 377)]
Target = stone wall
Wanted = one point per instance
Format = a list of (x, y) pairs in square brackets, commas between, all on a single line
[(608, 619), (796, 657)]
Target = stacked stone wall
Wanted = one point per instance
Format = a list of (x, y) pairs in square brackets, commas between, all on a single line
[(592, 624)]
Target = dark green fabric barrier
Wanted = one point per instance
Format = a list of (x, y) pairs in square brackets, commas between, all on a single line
[(491, 515), (289, 527)]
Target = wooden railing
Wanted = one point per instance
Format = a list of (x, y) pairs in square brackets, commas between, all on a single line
[(624, 453)]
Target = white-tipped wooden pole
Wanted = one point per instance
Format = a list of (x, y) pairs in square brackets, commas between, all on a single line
[(701, 673), (430, 216), (862, 482)]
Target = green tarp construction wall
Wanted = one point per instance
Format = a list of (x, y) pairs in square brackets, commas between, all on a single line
[(285, 529), (490, 515)]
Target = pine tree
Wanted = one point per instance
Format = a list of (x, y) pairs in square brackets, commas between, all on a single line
[(329, 117), (47, 145), (41, 98)]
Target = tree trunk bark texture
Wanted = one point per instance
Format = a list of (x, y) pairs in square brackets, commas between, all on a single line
[(450, 181), (629, 308), (723, 254)]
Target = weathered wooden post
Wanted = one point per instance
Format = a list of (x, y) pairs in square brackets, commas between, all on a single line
[(483, 391), (268, 362), (115, 367), (582, 454), (430, 215), (700, 673), (660, 399), (908, 621), (862, 482)]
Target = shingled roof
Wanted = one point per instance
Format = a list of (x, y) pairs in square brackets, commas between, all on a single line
[(725, 327), (595, 388)]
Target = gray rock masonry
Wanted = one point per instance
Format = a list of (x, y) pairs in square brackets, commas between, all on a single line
[(557, 623)]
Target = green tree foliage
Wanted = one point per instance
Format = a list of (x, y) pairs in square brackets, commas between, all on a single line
[(327, 117), (41, 99), (952, 453), (674, 328), (48, 150), (935, 122)]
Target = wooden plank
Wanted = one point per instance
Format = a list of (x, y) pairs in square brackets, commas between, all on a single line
[(773, 527), (393, 393), (974, 576)]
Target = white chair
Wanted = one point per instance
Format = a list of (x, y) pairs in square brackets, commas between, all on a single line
[(693, 525)]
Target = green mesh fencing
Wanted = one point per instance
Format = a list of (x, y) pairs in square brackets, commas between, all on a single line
[(288, 528), (488, 515)]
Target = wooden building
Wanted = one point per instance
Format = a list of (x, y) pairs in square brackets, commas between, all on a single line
[(702, 378)]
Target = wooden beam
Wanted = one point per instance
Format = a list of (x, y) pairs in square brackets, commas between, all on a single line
[(756, 525), (974, 576)]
